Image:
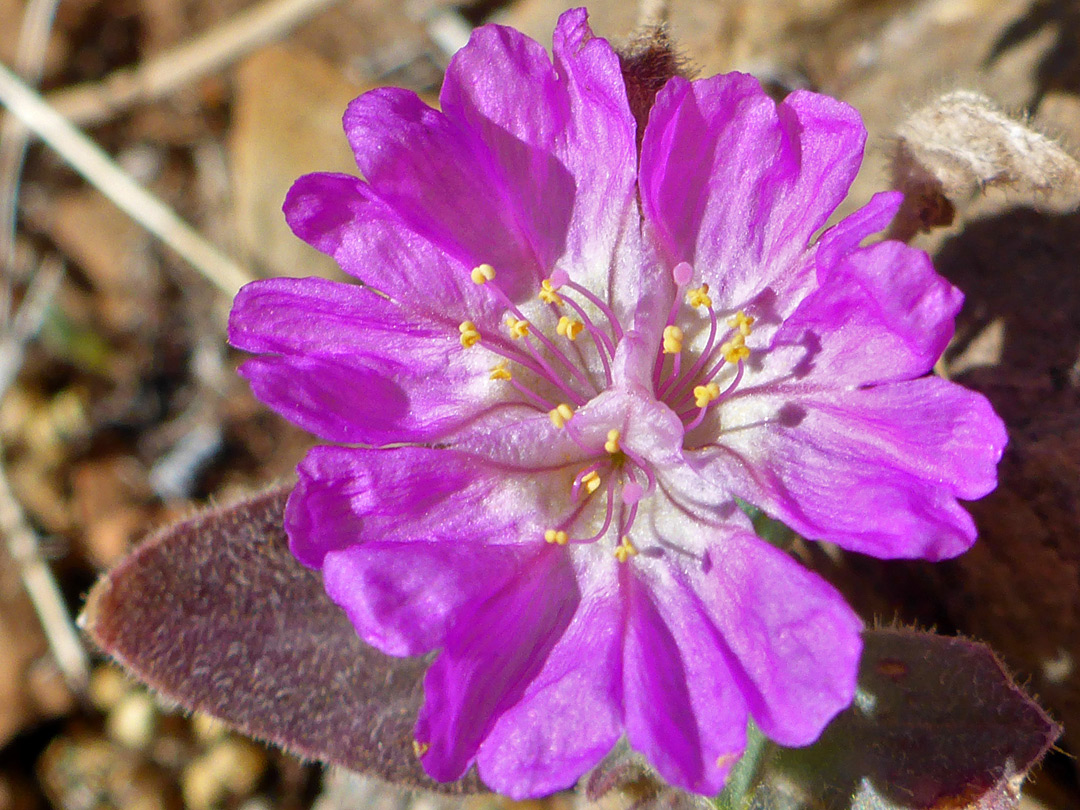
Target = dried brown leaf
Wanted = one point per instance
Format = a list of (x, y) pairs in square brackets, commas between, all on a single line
[(961, 144)]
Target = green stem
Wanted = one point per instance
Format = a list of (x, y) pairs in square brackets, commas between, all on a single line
[(744, 776)]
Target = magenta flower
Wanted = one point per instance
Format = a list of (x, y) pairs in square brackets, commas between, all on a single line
[(566, 360)]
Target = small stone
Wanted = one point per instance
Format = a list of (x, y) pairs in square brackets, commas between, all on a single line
[(133, 720)]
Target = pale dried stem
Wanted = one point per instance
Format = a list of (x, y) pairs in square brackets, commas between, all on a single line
[(27, 321), (60, 632), (37, 22), (102, 172), (22, 542), (207, 53), (652, 14)]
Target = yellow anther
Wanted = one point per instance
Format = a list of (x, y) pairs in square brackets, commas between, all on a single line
[(560, 415), (469, 334), (500, 371), (699, 297), (742, 322), (625, 550), (482, 274), (591, 481), (547, 293), (518, 329), (569, 328), (673, 336), (735, 349), (612, 443), (704, 394), (556, 537), (420, 748)]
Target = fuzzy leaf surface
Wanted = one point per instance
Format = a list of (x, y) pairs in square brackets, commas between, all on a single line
[(216, 614), (937, 723)]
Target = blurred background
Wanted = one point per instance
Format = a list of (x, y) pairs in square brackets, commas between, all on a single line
[(120, 409)]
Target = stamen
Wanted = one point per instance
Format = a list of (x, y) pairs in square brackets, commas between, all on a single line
[(500, 371), (518, 327), (560, 415), (420, 748), (741, 321), (537, 400), (640, 462), (569, 328), (556, 537), (591, 481), (560, 278), (594, 330), (632, 492), (704, 394), (470, 336), (673, 338), (482, 274), (547, 293), (608, 515), (699, 297), (720, 395), (735, 349), (604, 347), (612, 443), (625, 550), (686, 379)]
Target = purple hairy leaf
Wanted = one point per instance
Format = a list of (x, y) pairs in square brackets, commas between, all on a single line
[(217, 615), (936, 723)]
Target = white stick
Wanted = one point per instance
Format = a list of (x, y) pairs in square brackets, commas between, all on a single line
[(88, 159)]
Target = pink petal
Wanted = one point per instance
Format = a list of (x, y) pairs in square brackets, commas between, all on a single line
[(562, 136), (737, 185), (342, 217), (351, 495), (881, 313), (491, 655), (445, 185), (793, 641), (351, 366), (570, 715), (876, 470), (683, 708), (403, 598)]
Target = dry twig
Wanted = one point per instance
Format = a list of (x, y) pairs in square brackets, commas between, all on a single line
[(21, 540), (102, 172), (94, 102), (29, 61)]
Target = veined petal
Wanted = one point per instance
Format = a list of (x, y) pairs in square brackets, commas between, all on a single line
[(404, 596), (683, 709), (351, 495), (737, 185), (324, 342), (490, 657), (881, 313), (876, 470), (340, 216), (579, 209), (570, 715), (793, 643), (406, 150)]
